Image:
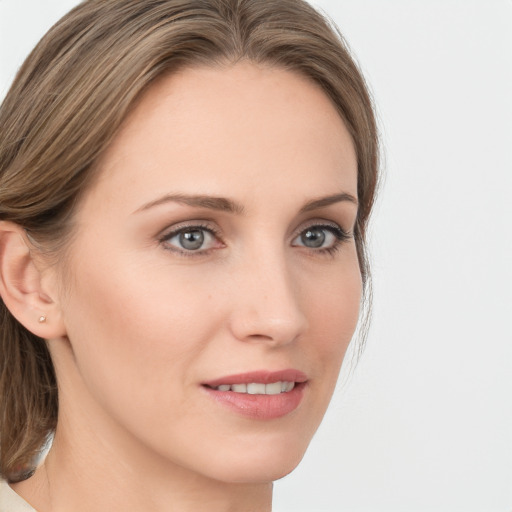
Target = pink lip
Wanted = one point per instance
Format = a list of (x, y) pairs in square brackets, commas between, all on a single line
[(262, 407)]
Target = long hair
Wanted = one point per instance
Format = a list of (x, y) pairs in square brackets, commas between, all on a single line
[(67, 103)]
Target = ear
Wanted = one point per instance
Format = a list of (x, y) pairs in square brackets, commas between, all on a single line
[(30, 298)]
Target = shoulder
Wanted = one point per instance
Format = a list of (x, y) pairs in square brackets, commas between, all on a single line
[(10, 501)]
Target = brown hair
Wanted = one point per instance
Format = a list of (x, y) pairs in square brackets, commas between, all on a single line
[(68, 102)]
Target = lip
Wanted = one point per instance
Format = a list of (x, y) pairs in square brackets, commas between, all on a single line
[(260, 407), (262, 376)]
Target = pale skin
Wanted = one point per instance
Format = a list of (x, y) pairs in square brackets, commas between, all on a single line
[(136, 322)]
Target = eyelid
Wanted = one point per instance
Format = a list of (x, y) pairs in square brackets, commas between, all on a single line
[(188, 225), (322, 223)]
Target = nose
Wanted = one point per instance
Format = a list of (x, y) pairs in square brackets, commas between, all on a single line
[(266, 306)]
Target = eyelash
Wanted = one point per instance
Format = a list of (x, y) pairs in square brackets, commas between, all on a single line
[(341, 236), (185, 229)]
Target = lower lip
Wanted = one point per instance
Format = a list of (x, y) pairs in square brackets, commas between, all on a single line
[(262, 407)]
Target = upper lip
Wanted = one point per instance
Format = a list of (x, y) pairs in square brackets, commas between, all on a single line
[(260, 376)]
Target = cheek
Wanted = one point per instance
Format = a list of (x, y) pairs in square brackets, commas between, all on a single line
[(334, 306), (333, 311), (140, 333)]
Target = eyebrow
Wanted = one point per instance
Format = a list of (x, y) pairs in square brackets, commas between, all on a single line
[(224, 204), (201, 201), (323, 202)]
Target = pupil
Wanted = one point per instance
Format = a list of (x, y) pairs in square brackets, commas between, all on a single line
[(192, 240), (313, 237)]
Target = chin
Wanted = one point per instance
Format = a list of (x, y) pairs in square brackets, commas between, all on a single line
[(257, 474), (261, 464)]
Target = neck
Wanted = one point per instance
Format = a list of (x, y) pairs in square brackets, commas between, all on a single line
[(95, 465), (84, 478)]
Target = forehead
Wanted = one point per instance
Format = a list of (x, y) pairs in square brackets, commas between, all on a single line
[(243, 126)]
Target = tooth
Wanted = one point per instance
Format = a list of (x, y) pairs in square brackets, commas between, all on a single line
[(274, 388), (284, 386), (239, 388), (255, 388), (289, 386), (224, 387)]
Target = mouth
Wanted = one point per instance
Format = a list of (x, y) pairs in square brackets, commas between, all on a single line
[(259, 395), (258, 388)]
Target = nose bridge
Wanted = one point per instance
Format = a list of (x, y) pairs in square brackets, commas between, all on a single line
[(268, 305)]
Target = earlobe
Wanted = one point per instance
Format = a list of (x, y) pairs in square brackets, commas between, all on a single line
[(21, 285)]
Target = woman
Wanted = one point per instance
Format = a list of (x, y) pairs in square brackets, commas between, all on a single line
[(184, 193)]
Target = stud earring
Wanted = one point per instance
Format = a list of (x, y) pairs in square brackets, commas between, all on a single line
[(42, 319)]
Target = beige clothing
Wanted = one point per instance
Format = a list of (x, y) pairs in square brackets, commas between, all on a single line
[(10, 501)]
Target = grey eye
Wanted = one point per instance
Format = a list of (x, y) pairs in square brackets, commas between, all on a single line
[(191, 240), (313, 237), (321, 237)]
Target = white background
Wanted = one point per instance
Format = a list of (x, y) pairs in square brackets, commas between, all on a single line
[(425, 422)]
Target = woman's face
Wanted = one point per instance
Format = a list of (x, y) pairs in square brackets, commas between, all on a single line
[(215, 249)]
